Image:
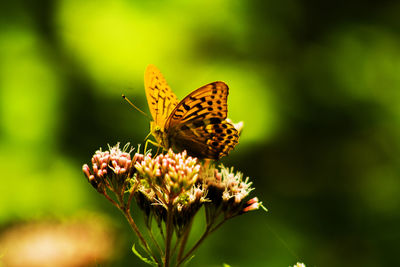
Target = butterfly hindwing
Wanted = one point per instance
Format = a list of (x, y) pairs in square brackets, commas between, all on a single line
[(160, 98), (204, 139)]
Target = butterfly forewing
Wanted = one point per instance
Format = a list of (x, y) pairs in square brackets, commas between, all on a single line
[(198, 123), (207, 102), (160, 98)]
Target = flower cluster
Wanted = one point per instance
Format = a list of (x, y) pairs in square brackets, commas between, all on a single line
[(227, 191), (170, 174), (111, 169), (170, 188), (169, 180)]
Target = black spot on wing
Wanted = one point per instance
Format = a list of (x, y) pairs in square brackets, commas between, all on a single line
[(215, 120)]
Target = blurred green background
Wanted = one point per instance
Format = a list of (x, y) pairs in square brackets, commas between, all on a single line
[(316, 83)]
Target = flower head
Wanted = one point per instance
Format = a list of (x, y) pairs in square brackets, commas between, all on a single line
[(187, 205), (170, 174), (227, 190), (169, 180), (110, 169)]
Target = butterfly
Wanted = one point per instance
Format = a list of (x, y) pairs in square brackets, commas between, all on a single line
[(197, 124)]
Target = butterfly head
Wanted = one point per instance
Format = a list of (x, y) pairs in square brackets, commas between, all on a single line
[(158, 133)]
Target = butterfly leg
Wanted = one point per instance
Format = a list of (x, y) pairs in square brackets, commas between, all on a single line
[(153, 143)]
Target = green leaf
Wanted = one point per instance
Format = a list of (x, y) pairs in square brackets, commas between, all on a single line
[(146, 260), (225, 265)]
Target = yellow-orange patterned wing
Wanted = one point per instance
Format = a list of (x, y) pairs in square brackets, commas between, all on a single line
[(197, 124), (160, 98)]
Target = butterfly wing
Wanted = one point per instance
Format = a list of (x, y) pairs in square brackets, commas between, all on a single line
[(209, 101), (208, 141), (160, 98), (198, 123)]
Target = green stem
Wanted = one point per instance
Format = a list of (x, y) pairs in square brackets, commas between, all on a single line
[(169, 230), (124, 208), (178, 240), (184, 240), (139, 235), (208, 231), (218, 225), (195, 246), (133, 190), (111, 200)]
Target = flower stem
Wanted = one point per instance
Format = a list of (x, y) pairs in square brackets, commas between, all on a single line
[(133, 190), (178, 240), (169, 230), (139, 235), (208, 231), (195, 246), (110, 199), (124, 208), (184, 240)]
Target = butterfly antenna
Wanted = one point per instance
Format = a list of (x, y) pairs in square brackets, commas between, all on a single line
[(135, 107)]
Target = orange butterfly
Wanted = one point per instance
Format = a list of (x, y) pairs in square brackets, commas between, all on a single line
[(197, 124)]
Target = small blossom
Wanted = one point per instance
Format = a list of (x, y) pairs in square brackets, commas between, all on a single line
[(299, 264), (89, 175), (252, 204), (95, 176)]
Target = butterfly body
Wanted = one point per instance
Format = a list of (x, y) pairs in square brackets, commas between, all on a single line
[(196, 124), (159, 134)]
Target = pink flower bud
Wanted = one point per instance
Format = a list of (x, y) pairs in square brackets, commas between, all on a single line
[(95, 168), (86, 170), (253, 204)]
